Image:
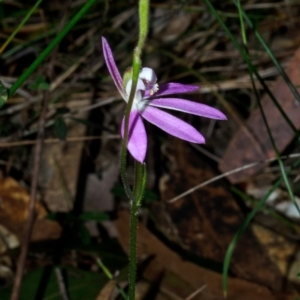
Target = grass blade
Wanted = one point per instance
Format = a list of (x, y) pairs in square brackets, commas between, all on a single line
[(250, 65), (244, 225), (270, 53), (30, 12), (50, 47)]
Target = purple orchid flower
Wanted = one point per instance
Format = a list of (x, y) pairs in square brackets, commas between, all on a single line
[(146, 103)]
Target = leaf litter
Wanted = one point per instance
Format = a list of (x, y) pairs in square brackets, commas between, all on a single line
[(81, 154)]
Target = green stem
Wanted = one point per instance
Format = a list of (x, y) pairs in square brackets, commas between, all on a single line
[(140, 181), (50, 47), (243, 32), (31, 11), (135, 197), (144, 20), (138, 191), (135, 74), (132, 249), (136, 66)]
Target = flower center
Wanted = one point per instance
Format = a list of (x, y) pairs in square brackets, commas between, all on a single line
[(146, 82)]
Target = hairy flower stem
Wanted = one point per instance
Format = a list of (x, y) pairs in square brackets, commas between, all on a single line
[(135, 74), (138, 191), (140, 175), (132, 249), (136, 66)]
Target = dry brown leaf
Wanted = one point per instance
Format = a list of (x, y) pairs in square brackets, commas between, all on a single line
[(59, 170), (242, 150), (107, 290), (44, 230), (280, 249), (14, 212), (29, 28), (14, 201), (205, 221)]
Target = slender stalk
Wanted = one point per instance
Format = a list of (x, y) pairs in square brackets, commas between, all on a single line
[(132, 249), (243, 31), (33, 191), (140, 181), (135, 74), (136, 66), (50, 47), (135, 197)]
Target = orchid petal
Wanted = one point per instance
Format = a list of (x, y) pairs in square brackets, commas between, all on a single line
[(137, 142), (112, 68), (172, 88), (187, 106), (172, 125)]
